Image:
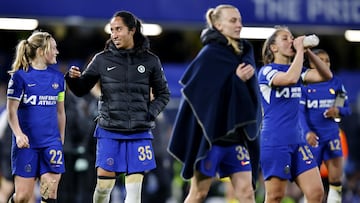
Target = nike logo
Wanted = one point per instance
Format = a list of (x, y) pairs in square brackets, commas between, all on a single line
[(31, 85), (111, 68), (243, 163)]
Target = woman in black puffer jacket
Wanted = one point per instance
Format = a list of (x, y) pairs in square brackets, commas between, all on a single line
[(134, 91)]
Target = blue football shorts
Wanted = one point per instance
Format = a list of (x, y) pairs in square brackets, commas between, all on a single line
[(125, 156), (222, 161), (33, 162), (286, 162), (326, 150)]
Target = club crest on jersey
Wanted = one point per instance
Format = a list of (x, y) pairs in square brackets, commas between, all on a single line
[(55, 86), (141, 69)]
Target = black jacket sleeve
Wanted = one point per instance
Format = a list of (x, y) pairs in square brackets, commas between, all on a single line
[(88, 79)]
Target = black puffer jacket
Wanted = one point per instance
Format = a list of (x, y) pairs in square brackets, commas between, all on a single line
[(126, 77)]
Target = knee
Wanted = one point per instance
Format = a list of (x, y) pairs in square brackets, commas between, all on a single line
[(103, 189), (48, 188), (245, 194), (201, 195), (196, 196), (105, 185), (275, 196), (21, 197), (134, 178), (315, 195)]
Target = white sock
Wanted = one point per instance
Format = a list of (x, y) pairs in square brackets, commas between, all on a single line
[(334, 195), (103, 190), (133, 185)]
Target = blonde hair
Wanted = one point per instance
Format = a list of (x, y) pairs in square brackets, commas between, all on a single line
[(267, 54), (26, 50), (214, 15)]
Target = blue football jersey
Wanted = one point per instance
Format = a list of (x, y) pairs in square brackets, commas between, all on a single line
[(37, 91), (316, 98), (281, 108)]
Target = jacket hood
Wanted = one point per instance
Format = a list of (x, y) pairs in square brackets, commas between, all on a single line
[(212, 35)]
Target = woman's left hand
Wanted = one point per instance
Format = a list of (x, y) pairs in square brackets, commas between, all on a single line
[(245, 71), (332, 112)]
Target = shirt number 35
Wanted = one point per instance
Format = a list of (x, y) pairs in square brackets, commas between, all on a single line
[(145, 152)]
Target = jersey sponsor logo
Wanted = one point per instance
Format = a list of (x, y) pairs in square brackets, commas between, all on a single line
[(141, 69), (110, 68), (29, 100), (42, 100), (289, 92), (321, 103)]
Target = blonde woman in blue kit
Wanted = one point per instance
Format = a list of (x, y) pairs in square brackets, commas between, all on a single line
[(36, 115)]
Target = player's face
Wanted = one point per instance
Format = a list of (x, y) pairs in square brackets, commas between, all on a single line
[(121, 36), (230, 23), (283, 44), (50, 56), (325, 58)]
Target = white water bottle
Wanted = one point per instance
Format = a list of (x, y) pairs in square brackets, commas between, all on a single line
[(310, 41)]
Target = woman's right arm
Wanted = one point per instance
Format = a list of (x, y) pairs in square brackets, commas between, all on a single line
[(81, 83), (292, 75), (22, 140)]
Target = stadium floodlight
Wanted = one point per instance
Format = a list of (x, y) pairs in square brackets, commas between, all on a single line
[(147, 29), (256, 32), (352, 35), (18, 24)]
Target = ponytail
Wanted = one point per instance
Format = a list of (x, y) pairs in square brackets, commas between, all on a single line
[(26, 50)]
